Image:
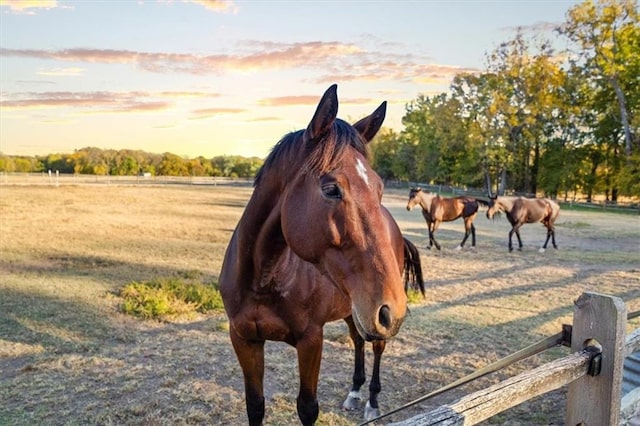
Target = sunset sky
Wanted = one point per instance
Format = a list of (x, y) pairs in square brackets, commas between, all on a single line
[(213, 77)]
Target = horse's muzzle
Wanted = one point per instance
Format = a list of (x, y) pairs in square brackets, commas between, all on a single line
[(383, 326)]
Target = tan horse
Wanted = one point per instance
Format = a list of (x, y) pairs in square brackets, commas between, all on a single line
[(437, 209), (521, 210), (314, 245)]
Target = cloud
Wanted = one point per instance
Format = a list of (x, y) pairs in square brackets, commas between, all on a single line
[(179, 94), (27, 6), (307, 100), (63, 72), (87, 102), (289, 100), (334, 60), (222, 6), (265, 119), (200, 114), (261, 56)]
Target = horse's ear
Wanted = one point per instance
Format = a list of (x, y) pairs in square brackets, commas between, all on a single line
[(369, 126), (325, 114)]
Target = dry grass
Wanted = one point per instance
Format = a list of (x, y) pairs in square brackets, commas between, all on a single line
[(68, 356)]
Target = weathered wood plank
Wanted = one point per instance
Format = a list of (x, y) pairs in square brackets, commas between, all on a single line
[(595, 400), (483, 404)]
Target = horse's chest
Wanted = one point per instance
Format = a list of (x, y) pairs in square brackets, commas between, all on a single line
[(261, 322), (279, 314)]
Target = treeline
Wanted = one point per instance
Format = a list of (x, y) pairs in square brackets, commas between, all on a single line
[(536, 120), (127, 162)]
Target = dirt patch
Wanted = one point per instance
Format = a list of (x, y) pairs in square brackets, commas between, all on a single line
[(67, 356)]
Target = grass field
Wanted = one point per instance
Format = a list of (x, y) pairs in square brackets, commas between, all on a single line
[(68, 356)]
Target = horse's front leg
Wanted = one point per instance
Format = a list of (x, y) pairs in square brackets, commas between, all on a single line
[(251, 358), (372, 409), (354, 399), (309, 356), (432, 234)]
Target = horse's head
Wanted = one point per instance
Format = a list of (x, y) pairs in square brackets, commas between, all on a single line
[(423, 198), (494, 206), (331, 216), (413, 197)]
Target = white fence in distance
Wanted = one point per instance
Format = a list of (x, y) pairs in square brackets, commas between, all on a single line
[(61, 179)]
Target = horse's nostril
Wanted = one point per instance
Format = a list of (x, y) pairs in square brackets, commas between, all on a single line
[(384, 316)]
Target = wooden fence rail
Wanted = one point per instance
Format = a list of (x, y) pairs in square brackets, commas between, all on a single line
[(593, 372)]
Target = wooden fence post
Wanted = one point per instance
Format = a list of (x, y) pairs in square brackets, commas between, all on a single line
[(595, 400)]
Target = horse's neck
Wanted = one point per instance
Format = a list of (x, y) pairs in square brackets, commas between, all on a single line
[(506, 203), (426, 201), (260, 237)]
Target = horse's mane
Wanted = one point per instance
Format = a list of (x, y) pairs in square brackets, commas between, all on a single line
[(316, 157)]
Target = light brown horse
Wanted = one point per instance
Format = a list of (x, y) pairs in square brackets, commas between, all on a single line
[(314, 245), (521, 210), (437, 209)]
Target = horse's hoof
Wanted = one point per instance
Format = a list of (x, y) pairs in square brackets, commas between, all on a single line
[(458, 248), (541, 250), (370, 413), (353, 401)]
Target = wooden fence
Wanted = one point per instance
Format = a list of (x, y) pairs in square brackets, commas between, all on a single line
[(593, 372)]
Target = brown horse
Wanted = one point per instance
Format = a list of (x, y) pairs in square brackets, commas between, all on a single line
[(521, 210), (437, 209), (314, 245)]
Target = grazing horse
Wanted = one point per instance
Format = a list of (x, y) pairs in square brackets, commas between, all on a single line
[(437, 209), (314, 245), (521, 210)]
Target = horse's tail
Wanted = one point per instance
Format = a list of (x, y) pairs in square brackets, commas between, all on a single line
[(412, 267)]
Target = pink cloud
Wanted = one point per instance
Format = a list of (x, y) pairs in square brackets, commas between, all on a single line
[(335, 60), (87, 101)]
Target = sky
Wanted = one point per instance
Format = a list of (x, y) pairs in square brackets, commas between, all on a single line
[(217, 77)]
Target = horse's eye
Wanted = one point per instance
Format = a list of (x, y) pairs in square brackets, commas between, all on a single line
[(332, 190)]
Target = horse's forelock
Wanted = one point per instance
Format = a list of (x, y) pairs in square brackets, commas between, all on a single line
[(329, 151), (315, 157)]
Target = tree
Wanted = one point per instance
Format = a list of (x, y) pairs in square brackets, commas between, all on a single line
[(383, 152), (607, 34), (172, 165)]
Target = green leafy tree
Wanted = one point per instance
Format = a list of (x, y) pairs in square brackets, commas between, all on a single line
[(606, 33), (383, 151)]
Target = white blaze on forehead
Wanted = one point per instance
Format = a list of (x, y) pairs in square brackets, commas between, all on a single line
[(362, 171)]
